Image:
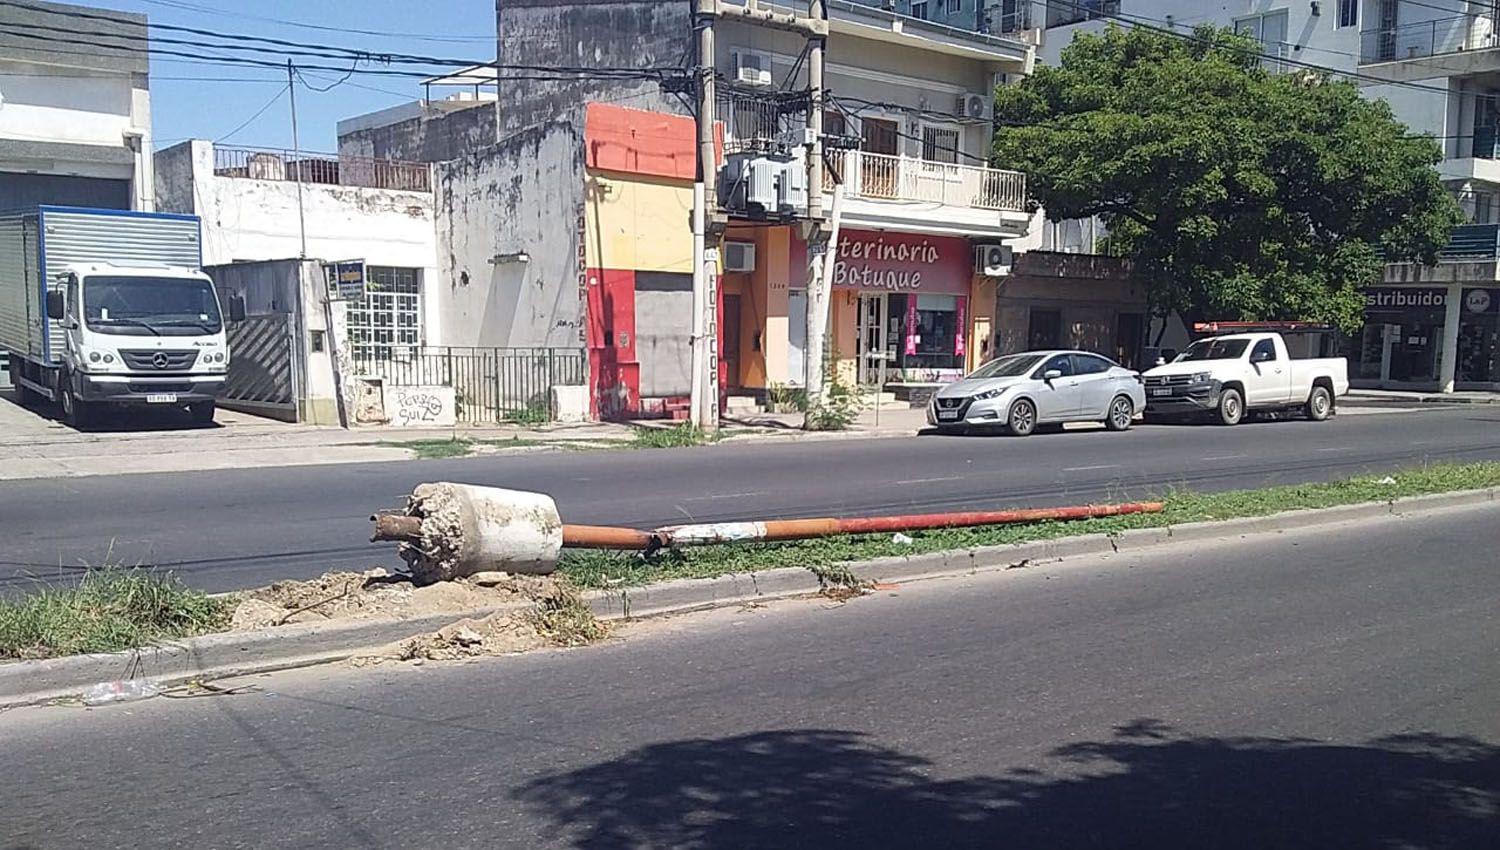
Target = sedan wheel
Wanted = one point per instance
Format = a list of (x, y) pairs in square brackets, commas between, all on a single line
[(1022, 420), (1121, 413)]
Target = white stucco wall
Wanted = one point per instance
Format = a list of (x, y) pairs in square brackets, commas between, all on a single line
[(248, 219), (525, 195)]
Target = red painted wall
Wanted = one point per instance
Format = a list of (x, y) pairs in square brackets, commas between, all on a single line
[(614, 372)]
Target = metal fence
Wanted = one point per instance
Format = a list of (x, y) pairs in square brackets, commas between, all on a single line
[(1428, 38), (331, 169), (489, 383)]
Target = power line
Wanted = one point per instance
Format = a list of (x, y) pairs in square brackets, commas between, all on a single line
[(193, 7), (1136, 21), (285, 47), (259, 112)]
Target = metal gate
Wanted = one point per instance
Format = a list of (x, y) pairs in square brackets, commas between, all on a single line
[(262, 376)]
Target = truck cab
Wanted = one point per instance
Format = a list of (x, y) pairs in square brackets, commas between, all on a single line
[(138, 335), (1224, 377)]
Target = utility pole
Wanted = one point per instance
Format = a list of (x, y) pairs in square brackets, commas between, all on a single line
[(705, 368), (296, 163), (816, 232)]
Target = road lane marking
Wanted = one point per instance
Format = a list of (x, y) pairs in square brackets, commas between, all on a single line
[(1224, 457), (930, 480), (729, 496), (1086, 468), (1337, 449)]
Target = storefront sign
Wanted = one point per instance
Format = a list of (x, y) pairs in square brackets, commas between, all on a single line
[(1482, 300), (1395, 300), (913, 327), (902, 262)]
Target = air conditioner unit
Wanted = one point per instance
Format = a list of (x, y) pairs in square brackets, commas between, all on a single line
[(993, 260), (975, 106), (739, 256), (752, 69), (791, 187)]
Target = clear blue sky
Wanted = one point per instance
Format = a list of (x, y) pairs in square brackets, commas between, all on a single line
[(191, 99)]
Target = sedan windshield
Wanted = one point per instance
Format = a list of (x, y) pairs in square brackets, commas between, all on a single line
[(1213, 349), (1012, 366), (163, 306)]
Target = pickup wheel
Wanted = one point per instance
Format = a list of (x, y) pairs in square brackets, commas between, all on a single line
[(1319, 404), (1231, 407)]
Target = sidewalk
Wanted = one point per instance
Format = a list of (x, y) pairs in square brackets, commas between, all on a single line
[(1405, 398)]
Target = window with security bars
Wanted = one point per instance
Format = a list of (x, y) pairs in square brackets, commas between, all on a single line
[(388, 320), (940, 145)]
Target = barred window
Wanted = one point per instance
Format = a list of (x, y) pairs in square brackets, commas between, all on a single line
[(390, 314)]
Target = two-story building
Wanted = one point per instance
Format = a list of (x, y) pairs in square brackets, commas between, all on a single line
[(1438, 66), (75, 124)]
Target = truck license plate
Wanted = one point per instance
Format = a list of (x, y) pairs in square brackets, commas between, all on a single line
[(161, 398), (1162, 391)]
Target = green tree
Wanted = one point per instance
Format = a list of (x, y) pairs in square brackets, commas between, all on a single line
[(1239, 193)]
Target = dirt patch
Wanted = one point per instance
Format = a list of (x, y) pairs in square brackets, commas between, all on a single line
[(558, 617), (376, 593)]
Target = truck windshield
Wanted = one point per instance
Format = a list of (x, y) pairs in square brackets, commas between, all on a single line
[(1213, 349), (1007, 367), (164, 306)]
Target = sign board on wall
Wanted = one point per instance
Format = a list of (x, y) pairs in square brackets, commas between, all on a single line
[(346, 279), (421, 407), (903, 263), (1482, 300)]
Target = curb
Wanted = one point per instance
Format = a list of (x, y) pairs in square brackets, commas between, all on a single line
[(244, 653)]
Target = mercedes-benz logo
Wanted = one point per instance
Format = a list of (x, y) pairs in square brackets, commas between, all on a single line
[(160, 360)]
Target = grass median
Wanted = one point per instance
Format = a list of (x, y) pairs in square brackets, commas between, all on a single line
[(595, 569), (108, 609)]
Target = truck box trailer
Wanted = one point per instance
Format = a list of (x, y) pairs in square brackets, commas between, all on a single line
[(110, 308)]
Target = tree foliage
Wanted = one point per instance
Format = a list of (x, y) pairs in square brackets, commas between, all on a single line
[(1239, 193)]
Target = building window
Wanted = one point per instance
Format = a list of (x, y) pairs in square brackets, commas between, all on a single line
[(1064, 12), (1270, 30), (940, 144), (1045, 330), (390, 314), (953, 7), (919, 9), (1348, 13), (1015, 15)]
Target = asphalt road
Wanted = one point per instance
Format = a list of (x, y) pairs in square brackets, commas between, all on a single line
[(232, 529), (1328, 688)]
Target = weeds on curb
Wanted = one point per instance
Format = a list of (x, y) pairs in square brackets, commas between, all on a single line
[(676, 437), (438, 448), (564, 619), (596, 569), (109, 609)]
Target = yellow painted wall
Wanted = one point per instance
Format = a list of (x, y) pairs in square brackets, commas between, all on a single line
[(638, 222), (843, 329), (980, 347)]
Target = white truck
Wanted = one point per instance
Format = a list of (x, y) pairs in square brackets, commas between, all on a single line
[(108, 307), (1224, 377)]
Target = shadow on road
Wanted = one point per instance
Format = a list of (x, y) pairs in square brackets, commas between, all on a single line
[(1146, 787)]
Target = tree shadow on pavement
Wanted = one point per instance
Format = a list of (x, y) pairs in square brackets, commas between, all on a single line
[(1144, 788)]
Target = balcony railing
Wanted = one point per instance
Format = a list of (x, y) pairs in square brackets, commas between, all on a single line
[(1472, 242), (1428, 38), (267, 164), (885, 177)]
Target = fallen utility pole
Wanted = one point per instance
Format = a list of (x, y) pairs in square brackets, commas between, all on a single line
[(453, 530)]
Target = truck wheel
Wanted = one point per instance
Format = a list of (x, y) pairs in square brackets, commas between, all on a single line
[(202, 412), (1121, 412), (1319, 404), (1022, 418), (1231, 407), (79, 414)]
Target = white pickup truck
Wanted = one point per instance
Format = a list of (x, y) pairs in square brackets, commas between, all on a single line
[(1226, 376)]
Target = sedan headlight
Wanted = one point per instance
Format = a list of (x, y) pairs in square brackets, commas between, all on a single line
[(988, 394)]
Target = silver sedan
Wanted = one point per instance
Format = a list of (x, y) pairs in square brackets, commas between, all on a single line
[(1022, 391)]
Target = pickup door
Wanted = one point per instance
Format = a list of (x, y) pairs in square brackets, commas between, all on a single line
[(1268, 383)]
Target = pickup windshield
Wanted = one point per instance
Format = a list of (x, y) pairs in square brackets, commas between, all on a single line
[(1007, 367), (1213, 349), (163, 306)]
